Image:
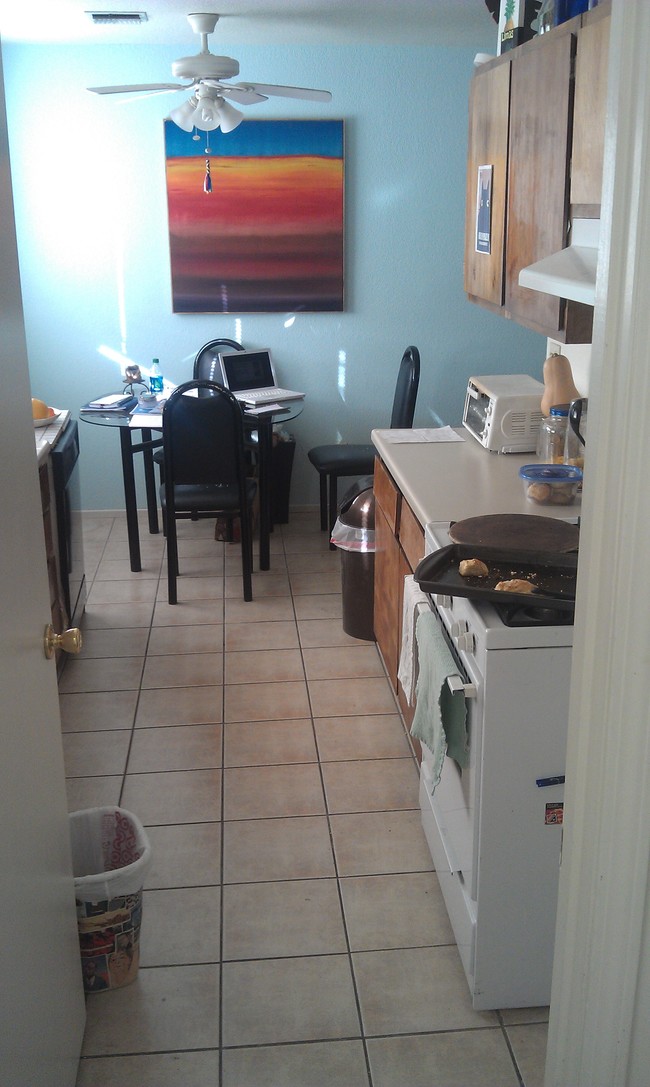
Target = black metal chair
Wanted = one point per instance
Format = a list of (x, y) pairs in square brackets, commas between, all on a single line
[(206, 363), (335, 461), (205, 469)]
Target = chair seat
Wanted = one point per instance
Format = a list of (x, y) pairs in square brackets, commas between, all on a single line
[(349, 460), (208, 497)]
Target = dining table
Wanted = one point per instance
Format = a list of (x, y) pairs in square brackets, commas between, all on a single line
[(140, 432)]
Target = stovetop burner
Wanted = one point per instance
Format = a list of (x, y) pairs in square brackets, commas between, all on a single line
[(534, 615)]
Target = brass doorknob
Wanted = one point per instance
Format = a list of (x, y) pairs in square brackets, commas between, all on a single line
[(70, 641)]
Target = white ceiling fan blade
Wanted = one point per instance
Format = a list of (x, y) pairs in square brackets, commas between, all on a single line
[(286, 92), (238, 94), (131, 88)]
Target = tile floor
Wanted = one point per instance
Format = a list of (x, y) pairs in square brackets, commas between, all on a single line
[(293, 931)]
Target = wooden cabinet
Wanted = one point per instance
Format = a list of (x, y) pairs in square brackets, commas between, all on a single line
[(399, 546), (590, 101), (487, 145), (522, 124)]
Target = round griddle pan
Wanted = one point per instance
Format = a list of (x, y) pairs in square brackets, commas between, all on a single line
[(519, 531)]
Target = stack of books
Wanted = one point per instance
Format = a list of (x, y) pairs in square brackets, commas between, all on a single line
[(121, 403)]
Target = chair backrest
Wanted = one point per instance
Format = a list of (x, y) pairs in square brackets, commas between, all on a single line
[(206, 363), (203, 436), (406, 390)]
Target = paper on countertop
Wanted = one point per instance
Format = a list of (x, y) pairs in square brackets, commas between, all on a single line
[(424, 434)]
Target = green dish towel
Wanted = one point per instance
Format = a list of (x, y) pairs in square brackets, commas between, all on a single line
[(440, 719)]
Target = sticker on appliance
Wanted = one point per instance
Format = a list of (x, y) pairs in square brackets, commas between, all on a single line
[(554, 814)]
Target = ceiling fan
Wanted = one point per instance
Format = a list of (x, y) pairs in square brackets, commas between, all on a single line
[(207, 108)]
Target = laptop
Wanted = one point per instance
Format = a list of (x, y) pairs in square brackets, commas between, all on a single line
[(251, 377)]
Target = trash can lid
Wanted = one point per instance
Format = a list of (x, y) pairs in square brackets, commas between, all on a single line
[(359, 512)]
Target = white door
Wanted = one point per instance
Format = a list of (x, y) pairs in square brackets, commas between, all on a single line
[(42, 1009)]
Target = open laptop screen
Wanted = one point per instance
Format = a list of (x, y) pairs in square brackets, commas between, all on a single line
[(247, 370)]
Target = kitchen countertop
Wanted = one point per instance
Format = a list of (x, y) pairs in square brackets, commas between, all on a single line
[(46, 437), (449, 481)]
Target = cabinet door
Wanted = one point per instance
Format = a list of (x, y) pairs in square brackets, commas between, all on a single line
[(589, 112), (539, 152), (387, 615), (487, 146)]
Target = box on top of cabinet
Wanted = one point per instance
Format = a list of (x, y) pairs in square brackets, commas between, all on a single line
[(517, 23)]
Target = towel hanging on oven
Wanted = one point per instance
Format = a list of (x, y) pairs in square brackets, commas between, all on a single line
[(440, 719), (415, 601)]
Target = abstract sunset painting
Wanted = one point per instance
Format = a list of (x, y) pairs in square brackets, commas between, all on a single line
[(268, 237)]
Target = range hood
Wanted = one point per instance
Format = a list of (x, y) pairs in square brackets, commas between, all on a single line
[(571, 272)]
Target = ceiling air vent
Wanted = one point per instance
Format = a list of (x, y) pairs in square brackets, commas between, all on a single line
[(110, 18)]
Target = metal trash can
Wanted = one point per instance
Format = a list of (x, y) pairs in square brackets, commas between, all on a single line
[(354, 535)]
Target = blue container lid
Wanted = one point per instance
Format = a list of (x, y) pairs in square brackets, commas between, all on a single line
[(550, 473), (560, 409)]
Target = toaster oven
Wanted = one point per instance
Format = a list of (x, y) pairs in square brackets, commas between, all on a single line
[(503, 412)]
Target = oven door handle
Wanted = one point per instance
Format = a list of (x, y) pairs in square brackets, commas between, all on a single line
[(456, 686)]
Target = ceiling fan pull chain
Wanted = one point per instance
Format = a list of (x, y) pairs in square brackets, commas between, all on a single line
[(207, 184)]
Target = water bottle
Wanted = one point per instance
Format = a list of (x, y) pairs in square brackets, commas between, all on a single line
[(155, 378)]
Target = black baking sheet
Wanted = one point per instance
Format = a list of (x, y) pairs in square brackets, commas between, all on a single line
[(550, 571)]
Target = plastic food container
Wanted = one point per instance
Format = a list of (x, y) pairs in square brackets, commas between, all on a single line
[(551, 484)]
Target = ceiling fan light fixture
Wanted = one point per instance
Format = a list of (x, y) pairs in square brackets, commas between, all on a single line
[(229, 117), (183, 115)]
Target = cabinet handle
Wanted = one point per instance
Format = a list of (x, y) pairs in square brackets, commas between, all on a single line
[(456, 685)]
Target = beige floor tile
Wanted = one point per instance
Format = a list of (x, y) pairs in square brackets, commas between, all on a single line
[(312, 584), (470, 1058), (175, 747), (264, 665), (294, 917), (151, 1070), (325, 632), (301, 1065), (409, 991), (380, 736), (206, 565), (343, 697), (519, 1016), (266, 792), (122, 592), (183, 670), (174, 797), (187, 613), (130, 642), (319, 563), (206, 638), (95, 753), (120, 570), (288, 1000), (180, 926), (248, 636), (266, 583), (376, 917), (300, 543), (265, 701), (108, 616), (262, 849), (100, 710), (529, 1046), (342, 662), (167, 1008), (105, 674), (92, 792), (184, 856), (266, 742), (371, 785), (180, 706), (204, 547), (189, 589), (380, 842), (270, 609), (320, 606)]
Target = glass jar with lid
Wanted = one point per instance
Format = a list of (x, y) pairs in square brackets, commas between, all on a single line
[(552, 435)]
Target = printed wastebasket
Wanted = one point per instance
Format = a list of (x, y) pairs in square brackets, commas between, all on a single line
[(110, 857), (354, 535)]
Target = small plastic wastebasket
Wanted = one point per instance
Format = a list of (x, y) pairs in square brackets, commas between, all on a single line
[(354, 535), (110, 857)]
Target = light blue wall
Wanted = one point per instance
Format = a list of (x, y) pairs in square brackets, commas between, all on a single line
[(92, 227)]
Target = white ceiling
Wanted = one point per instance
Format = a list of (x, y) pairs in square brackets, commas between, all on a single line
[(256, 22)]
